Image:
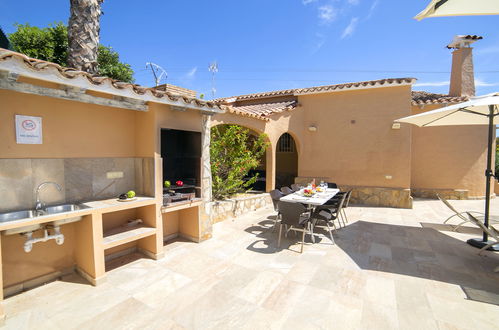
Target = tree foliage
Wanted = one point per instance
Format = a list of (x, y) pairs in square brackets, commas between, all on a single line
[(109, 65), (51, 44), (233, 153)]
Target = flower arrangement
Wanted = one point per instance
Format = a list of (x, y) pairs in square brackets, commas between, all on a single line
[(308, 192)]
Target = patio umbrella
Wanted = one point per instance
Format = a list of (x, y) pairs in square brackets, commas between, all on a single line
[(438, 8), (479, 110)]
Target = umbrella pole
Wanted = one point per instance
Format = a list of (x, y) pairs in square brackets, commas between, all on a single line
[(476, 242)]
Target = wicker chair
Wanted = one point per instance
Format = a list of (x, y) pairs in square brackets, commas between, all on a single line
[(286, 190), (296, 218), (276, 195)]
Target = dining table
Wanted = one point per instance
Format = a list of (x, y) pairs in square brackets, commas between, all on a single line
[(319, 198)]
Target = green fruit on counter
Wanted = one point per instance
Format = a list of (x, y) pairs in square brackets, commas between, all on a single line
[(130, 194), (167, 184)]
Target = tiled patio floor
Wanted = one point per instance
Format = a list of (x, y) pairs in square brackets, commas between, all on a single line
[(390, 269)]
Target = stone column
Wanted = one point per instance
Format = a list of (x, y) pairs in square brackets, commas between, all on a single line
[(205, 222)]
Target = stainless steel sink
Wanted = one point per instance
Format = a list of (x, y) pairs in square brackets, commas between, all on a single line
[(64, 208), (17, 215), (50, 210)]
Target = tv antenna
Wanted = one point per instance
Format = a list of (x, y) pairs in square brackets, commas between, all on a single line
[(157, 71), (213, 68)]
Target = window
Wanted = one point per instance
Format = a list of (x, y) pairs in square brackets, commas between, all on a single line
[(286, 143)]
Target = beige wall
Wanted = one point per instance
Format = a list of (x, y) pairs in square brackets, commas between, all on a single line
[(45, 258), (357, 154), (70, 129), (354, 143), (363, 153), (452, 157)]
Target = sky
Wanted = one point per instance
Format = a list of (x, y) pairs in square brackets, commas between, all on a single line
[(264, 45)]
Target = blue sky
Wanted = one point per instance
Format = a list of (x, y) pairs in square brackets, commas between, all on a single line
[(263, 45)]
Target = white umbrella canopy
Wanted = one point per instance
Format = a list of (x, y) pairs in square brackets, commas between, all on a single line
[(438, 8), (476, 111), (479, 110)]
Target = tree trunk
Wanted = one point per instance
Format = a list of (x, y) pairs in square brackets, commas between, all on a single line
[(83, 34)]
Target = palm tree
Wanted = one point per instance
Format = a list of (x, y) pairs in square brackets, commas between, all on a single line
[(83, 34)]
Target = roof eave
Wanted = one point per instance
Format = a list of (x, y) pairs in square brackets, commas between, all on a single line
[(50, 73), (340, 88)]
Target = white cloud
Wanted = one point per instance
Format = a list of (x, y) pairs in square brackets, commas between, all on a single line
[(306, 2), (432, 84), (353, 2), (327, 14), (191, 73), (373, 7), (480, 83), (350, 29), (320, 41)]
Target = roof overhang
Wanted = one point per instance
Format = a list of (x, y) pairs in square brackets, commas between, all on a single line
[(355, 86), (124, 95)]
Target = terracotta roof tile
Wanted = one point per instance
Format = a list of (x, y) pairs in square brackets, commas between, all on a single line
[(321, 89), (263, 110), (10, 59), (425, 98)]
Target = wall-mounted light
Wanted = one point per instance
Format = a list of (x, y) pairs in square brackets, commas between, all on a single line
[(396, 126), (312, 128)]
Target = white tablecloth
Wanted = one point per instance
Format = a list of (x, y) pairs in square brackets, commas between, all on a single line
[(317, 199)]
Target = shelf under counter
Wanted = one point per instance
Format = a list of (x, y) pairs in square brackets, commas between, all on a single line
[(126, 234)]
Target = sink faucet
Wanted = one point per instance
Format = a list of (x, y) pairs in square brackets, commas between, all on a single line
[(39, 204)]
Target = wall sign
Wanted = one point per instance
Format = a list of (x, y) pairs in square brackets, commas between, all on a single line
[(28, 130)]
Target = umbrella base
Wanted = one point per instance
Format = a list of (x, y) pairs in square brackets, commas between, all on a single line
[(479, 243)]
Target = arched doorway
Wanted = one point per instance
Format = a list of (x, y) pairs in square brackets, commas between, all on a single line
[(286, 161)]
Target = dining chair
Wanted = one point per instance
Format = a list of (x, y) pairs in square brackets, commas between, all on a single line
[(332, 185), (276, 195), (345, 206), (491, 231), (296, 217), (286, 190), (328, 214), (295, 187)]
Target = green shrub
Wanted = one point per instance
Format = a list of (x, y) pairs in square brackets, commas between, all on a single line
[(51, 44), (233, 153)]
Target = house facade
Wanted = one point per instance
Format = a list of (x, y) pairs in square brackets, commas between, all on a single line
[(345, 133)]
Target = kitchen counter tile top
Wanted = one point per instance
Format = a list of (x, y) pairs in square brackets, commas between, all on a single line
[(103, 206)]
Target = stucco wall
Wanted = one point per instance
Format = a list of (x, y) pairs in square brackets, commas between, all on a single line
[(70, 129), (359, 153), (354, 143), (451, 157)]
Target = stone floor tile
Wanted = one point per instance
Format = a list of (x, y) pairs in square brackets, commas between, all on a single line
[(377, 316), (389, 268)]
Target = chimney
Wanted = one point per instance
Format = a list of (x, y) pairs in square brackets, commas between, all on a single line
[(462, 77)]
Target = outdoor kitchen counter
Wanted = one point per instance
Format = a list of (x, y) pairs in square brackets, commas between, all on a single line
[(103, 206), (88, 242)]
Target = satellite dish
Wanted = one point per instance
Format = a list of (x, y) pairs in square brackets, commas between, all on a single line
[(158, 72)]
